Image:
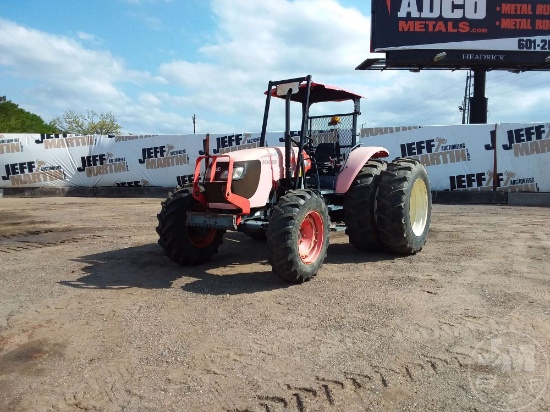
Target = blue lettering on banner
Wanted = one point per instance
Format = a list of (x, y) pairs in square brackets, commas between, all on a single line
[(157, 157), (30, 172), (485, 181), (184, 180), (527, 141), (50, 136), (436, 151), (230, 143), (13, 169)]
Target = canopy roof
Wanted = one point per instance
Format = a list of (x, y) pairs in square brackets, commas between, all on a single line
[(320, 93)]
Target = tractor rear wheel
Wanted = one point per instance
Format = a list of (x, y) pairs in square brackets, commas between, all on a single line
[(298, 235), (185, 245), (404, 205), (360, 207)]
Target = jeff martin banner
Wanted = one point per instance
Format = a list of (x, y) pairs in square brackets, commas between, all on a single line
[(463, 157), (34, 160), (457, 157), (521, 25)]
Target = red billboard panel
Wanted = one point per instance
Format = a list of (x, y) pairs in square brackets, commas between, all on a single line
[(489, 25)]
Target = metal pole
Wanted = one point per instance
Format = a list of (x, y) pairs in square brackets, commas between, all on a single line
[(470, 76), (478, 103), (266, 113), (465, 97), (356, 113), (288, 142)]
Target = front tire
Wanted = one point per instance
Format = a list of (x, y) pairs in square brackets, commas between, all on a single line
[(185, 245), (404, 206), (298, 236)]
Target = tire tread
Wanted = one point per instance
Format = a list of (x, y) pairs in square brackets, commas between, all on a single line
[(171, 230), (391, 210), (281, 236)]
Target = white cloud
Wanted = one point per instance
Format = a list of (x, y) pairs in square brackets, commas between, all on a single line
[(253, 42), (152, 22), (35, 54), (301, 36), (149, 99), (261, 41), (60, 74), (90, 38)]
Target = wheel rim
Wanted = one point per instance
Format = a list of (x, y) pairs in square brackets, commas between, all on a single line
[(200, 236), (312, 238), (418, 207)]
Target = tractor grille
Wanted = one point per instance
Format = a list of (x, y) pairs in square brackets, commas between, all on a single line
[(215, 192), (245, 187)]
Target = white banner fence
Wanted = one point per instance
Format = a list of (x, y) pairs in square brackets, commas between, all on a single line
[(491, 157), (505, 157)]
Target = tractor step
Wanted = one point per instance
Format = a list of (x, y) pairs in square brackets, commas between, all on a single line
[(211, 220), (337, 227)]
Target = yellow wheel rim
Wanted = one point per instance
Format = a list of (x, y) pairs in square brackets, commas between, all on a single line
[(418, 207)]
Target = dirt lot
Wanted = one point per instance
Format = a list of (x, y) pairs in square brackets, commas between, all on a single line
[(94, 317)]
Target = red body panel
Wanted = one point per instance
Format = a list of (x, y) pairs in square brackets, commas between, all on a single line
[(356, 159)]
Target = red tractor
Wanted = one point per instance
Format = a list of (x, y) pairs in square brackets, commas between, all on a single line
[(292, 195)]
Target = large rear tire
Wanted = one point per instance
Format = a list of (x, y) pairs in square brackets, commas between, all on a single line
[(360, 207), (404, 205), (183, 244), (298, 236)]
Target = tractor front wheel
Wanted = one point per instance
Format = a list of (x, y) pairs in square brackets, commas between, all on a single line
[(185, 245), (298, 235)]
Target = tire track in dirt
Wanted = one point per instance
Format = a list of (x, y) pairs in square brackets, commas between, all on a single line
[(22, 245), (29, 233), (472, 327), (326, 393)]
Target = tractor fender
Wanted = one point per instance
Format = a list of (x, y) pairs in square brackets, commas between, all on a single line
[(356, 160)]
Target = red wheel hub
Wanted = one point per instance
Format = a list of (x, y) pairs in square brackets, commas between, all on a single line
[(200, 236), (312, 237)]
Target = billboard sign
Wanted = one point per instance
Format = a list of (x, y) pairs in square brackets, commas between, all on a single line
[(488, 25)]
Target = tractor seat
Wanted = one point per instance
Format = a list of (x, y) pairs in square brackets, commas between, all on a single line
[(326, 155)]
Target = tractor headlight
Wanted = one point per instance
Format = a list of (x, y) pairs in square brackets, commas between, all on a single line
[(238, 173), (222, 171)]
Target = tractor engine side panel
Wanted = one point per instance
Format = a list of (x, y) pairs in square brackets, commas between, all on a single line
[(272, 163)]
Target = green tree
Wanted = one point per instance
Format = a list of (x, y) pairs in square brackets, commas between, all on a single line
[(89, 123), (13, 119)]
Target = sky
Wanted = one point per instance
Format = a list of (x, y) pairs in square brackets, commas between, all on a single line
[(157, 63)]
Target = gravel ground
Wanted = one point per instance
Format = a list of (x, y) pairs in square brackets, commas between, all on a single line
[(94, 317)]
